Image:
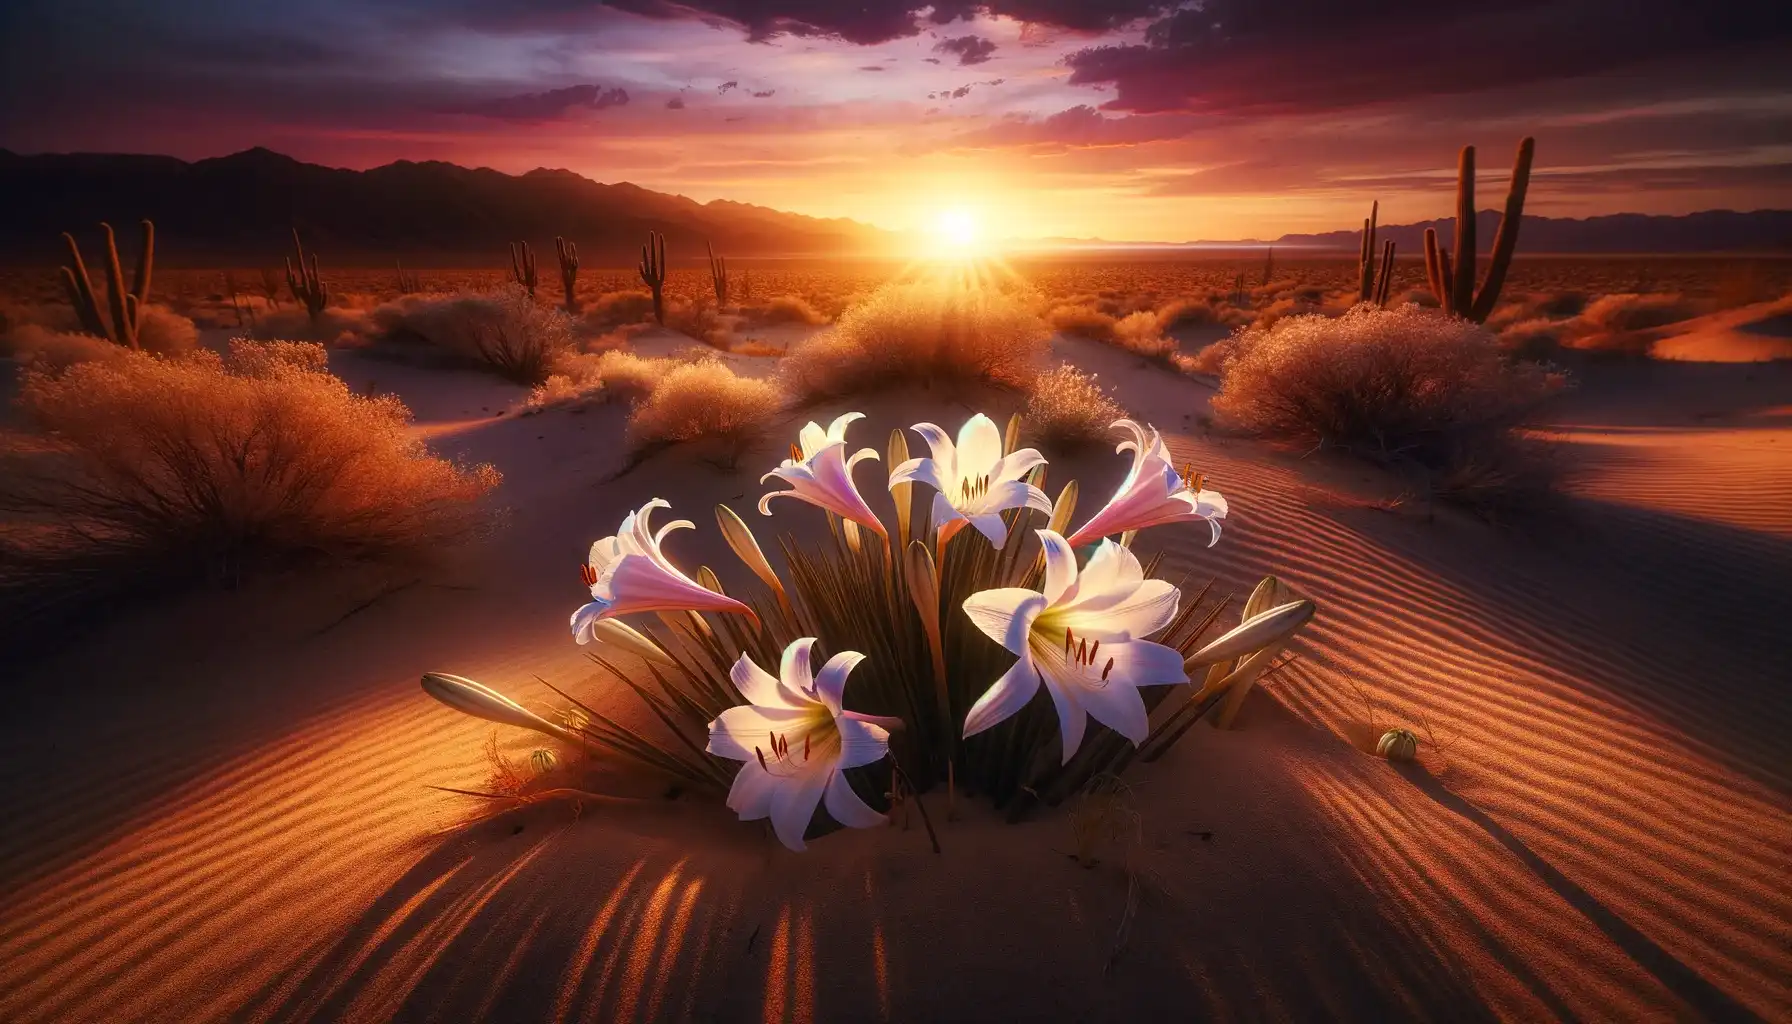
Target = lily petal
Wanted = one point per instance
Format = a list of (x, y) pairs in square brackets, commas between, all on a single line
[(979, 446), (861, 742), (846, 807), (1006, 614), (751, 795), (737, 731), (759, 686), (831, 680), (1003, 700), (793, 805)]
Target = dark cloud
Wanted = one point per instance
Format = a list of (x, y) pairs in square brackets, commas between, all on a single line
[(931, 60), (725, 86), (879, 21), (872, 67), (765, 95), (675, 103), (968, 49), (1081, 126), (545, 106), (1281, 56)]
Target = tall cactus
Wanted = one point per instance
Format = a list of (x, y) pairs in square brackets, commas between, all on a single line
[(568, 255), (1371, 288), (1269, 265), (306, 284), (126, 306), (1453, 281), (522, 266), (718, 274), (653, 271)]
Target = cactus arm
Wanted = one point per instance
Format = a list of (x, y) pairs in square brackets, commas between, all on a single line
[(1434, 272), (145, 265), (568, 255), (1387, 274), (1505, 242), (1462, 289), (115, 292), (1366, 256), (1449, 297), (74, 278), (653, 272)]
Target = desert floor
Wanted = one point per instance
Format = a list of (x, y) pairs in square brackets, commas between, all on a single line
[(217, 809)]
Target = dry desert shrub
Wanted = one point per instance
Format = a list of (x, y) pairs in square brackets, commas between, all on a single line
[(588, 379), (1081, 321), (920, 333), (1405, 386), (704, 401), (144, 469), (46, 349), (1142, 334), (1632, 312), (1537, 340), (1211, 360), (1066, 410), (165, 332), (611, 310), (504, 331), (783, 309), (337, 325), (1187, 313)]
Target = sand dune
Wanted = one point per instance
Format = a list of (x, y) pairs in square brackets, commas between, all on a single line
[(242, 831)]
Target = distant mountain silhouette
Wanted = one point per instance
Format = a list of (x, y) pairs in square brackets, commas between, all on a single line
[(239, 210), (1711, 231)]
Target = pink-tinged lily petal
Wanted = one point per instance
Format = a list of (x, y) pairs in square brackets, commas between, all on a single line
[(629, 573), (1002, 701), (1152, 494), (1006, 614), (831, 680), (639, 583), (846, 807), (861, 742), (795, 670), (812, 438), (825, 481), (759, 686), (1060, 565), (1072, 718)]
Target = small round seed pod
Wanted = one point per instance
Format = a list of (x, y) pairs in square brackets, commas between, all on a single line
[(1398, 745), (543, 760)]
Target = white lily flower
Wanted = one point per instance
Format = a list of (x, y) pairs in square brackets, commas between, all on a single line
[(628, 573), (1153, 493), (820, 473), (973, 481), (1083, 639), (795, 739), (812, 438)]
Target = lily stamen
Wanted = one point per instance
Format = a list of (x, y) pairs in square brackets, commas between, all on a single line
[(589, 574)]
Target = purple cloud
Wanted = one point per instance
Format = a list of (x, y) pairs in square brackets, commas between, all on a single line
[(545, 106), (968, 49)]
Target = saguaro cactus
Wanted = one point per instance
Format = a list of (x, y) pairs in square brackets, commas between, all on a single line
[(718, 274), (126, 305), (1453, 282), (306, 284), (568, 255), (1371, 288), (522, 266), (653, 271)]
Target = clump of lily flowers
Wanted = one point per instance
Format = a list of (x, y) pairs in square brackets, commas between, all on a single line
[(948, 635)]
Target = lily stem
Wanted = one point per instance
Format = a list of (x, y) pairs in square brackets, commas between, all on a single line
[(925, 820)]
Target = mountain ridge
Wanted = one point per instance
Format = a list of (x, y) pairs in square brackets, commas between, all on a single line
[(240, 209)]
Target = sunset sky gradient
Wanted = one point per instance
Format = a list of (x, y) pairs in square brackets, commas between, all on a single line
[(1128, 119)]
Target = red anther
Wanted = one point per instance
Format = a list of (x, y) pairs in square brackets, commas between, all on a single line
[(1105, 671), (761, 755)]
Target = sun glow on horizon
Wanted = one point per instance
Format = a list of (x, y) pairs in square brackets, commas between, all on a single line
[(955, 232)]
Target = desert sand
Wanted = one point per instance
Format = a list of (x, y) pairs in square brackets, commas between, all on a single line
[(219, 809)]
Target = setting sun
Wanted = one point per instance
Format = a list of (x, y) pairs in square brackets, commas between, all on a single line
[(956, 231)]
